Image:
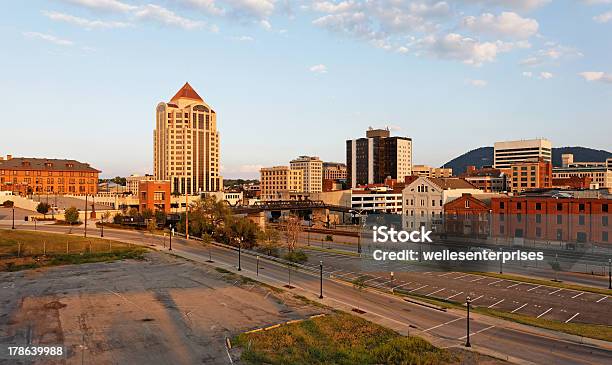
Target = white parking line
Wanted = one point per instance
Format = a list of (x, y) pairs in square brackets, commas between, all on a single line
[(477, 279), (462, 276), (443, 324), (494, 304), (454, 295), (434, 292), (399, 286), (535, 287), (420, 287), (574, 316), (556, 291), (511, 286), (495, 282), (474, 333), (604, 297), (577, 295), (378, 277), (448, 273), (543, 313), (522, 306), (473, 300)]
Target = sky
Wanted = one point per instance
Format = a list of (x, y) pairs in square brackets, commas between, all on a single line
[(80, 79)]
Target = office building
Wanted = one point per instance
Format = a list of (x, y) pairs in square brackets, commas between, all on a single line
[(600, 173), (186, 144), (513, 152), (530, 174), (334, 171), (312, 173), (274, 181), (378, 156), (132, 182), (154, 195), (488, 180), (428, 171)]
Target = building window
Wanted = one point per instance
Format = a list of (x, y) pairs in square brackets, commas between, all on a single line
[(538, 218), (559, 219), (519, 205), (604, 221), (604, 236), (559, 234), (538, 206), (467, 203), (501, 205), (559, 206), (581, 220), (581, 207), (604, 208), (502, 217), (538, 232), (519, 217)]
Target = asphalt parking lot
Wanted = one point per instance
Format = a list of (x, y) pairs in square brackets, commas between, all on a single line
[(534, 300), (163, 310)]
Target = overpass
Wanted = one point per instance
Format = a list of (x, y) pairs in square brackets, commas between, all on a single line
[(291, 205)]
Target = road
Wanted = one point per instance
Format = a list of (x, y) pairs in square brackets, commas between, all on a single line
[(448, 328)]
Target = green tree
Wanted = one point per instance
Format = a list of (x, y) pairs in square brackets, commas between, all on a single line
[(8, 204), (106, 216), (43, 208), (133, 212), (71, 215), (147, 214), (160, 217), (269, 241)]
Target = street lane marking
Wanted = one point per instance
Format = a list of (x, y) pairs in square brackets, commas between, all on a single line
[(556, 291), (604, 297), (448, 273), (495, 282), (462, 276), (454, 295), (372, 279), (494, 304), (477, 279), (420, 287), (543, 313), (577, 295), (535, 287), (574, 316), (443, 324), (522, 306), (477, 332), (511, 286), (437, 291)]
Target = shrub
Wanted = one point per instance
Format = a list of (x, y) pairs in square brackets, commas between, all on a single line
[(329, 238), (296, 256), (8, 204)]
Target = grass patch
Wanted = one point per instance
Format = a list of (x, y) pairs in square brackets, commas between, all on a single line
[(600, 332), (21, 250), (555, 284), (337, 252), (338, 338), (297, 256)]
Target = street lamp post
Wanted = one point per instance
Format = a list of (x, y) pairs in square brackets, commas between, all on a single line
[(257, 265), (467, 302), (35, 223), (609, 273), (321, 279), (101, 229), (171, 232), (239, 251), (289, 268), (86, 215)]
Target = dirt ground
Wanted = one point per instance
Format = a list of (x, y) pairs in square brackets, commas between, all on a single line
[(163, 310)]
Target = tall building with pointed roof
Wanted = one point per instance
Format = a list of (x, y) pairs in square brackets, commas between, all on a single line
[(186, 144)]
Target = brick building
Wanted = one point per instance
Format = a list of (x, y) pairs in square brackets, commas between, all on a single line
[(24, 176), (154, 195), (531, 174), (467, 216), (487, 179), (547, 218)]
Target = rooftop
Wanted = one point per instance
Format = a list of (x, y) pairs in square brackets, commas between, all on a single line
[(47, 164), (186, 92)]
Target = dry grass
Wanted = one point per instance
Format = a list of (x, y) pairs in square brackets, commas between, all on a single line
[(338, 338), (26, 249)]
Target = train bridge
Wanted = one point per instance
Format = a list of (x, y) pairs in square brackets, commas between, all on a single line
[(319, 209)]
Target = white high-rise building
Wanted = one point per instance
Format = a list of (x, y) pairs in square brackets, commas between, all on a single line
[(512, 152), (186, 144)]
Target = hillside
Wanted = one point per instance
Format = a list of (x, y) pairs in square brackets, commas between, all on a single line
[(483, 156)]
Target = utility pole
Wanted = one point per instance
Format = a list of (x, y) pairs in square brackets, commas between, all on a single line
[(186, 215), (467, 302), (86, 215), (321, 279)]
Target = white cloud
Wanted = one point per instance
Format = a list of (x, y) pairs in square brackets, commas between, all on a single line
[(596, 76), (507, 24), (319, 69), (261, 9), (402, 49), (244, 38), (603, 18), (477, 83), (466, 49), (545, 75), (104, 5), (265, 24), (48, 38), (207, 6), (528, 74), (597, 2), (511, 4), (330, 7), (82, 22), (553, 52), (161, 15)]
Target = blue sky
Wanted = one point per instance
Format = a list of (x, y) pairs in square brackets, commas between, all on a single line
[(81, 78)]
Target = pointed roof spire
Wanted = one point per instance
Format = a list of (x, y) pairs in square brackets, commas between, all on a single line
[(186, 92)]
